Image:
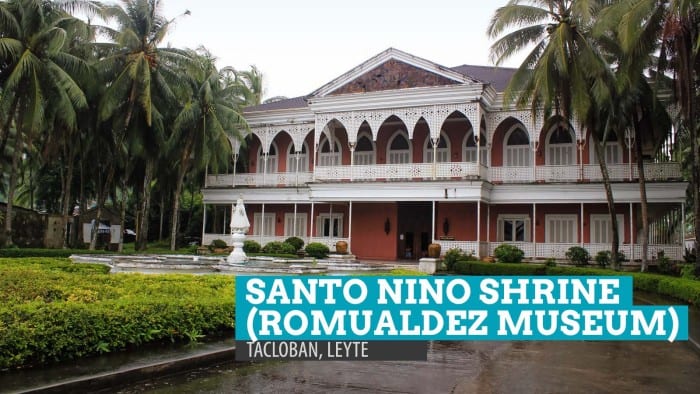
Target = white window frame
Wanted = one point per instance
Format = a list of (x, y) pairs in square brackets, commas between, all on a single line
[(560, 154), (366, 158), (320, 221), (613, 152), (469, 152), (501, 219), (327, 159), (300, 230), (303, 159), (606, 219), (516, 155), (269, 230), (443, 154), (403, 156), (552, 234), (271, 161)]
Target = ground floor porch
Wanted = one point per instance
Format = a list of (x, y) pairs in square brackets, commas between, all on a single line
[(404, 229)]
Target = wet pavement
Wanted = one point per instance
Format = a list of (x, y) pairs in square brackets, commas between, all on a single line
[(464, 367)]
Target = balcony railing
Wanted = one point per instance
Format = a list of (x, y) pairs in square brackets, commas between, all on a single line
[(256, 179), (448, 171)]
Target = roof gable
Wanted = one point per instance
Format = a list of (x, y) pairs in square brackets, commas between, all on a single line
[(389, 70)]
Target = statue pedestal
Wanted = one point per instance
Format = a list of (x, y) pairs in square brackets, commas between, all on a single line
[(237, 256), (428, 265)]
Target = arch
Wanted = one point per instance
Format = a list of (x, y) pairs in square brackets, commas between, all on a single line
[(303, 158), (560, 144), (443, 149), (516, 147), (469, 148), (272, 160), (365, 149), (399, 149)]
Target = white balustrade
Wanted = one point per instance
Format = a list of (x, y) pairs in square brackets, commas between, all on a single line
[(468, 247), (511, 174), (256, 179), (558, 173)]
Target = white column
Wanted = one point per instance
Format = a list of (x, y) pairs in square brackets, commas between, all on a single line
[(204, 221), (488, 224), (478, 225), (683, 224), (235, 160), (352, 161), (262, 224), (330, 220), (432, 229), (534, 229), (311, 229), (313, 174), (581, 224), (296, 182), (264, 168), (294, 230), (630, 232), (435, 142), (350, 228)]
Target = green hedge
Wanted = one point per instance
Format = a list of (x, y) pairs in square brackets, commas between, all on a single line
[(39, 252), (686, 290), (54, 310)]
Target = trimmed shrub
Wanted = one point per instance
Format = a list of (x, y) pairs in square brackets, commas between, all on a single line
[(54, 310), (297, 242), (251, 246), (465, 267), (276, 247), (602, 258), (317, 250), (550, 262), (451, 257), (218, 244), (506, 253), (578, 256)]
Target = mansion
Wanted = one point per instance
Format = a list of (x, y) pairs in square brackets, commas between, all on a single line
[(401, 152)]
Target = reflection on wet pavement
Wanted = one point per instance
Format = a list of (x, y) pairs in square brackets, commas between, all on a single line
[(465, 367)]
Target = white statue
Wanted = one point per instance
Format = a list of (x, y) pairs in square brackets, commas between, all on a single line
[(239, 228)]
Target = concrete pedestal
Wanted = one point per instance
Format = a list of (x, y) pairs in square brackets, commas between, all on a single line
[(428, 265), (237, 256)]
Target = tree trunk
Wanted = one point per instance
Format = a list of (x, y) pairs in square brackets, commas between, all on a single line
[(142, 236), (175, 221), (67, 193), (122, 215), (14, 171), (162, 213), (600, 154), (642, 195)]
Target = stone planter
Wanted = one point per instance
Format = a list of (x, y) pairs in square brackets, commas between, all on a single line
[(434, 251), (341, 247)]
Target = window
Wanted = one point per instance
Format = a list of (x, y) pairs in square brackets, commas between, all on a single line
[(271, 165), (328, 157), (517, 149), (264, 227), (469, 153), (443, 150), (399, 149), (329, 225), (303, 159), (513, 228), (292, 229), (601, 228), (613, 151), (561, 229), (561, 149), (364, 151)]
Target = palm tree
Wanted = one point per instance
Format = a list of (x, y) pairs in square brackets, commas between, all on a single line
[(202, 128), (564, 72), (36, 77), (140, 90), (672, 26)]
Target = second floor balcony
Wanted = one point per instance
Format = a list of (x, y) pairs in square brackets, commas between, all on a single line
[(448, 171)]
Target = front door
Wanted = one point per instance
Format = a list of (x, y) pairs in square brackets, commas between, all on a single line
[(414, 221)]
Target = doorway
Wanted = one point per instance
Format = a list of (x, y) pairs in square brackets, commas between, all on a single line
[(414, 221)]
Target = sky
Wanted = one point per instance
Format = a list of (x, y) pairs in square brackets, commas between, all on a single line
[(301, 45)]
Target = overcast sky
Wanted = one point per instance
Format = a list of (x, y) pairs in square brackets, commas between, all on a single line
[(301, 45)]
